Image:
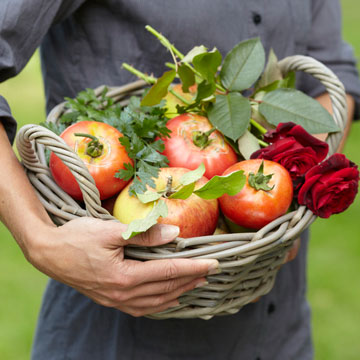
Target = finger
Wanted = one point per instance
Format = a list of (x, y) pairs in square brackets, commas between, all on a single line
[(159, 300), (137, 312), (163, 287), (292, 253), (256, 299), (112, 230), (158, 270), (149, 295), (157, 235)]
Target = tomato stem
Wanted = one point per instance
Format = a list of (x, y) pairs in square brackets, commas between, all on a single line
[(94, 147), (201, 138), (259, 181)]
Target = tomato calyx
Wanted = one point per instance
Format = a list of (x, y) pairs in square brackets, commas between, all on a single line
[(201, 138), (94, 147), (259, 181)]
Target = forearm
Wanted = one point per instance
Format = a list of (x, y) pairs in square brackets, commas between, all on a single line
[(20, 209), (325, 101)]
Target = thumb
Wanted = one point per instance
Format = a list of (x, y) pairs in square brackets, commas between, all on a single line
[(157, 235)]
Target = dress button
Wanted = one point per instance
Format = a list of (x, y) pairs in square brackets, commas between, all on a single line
[(257, 19), (271, 308)]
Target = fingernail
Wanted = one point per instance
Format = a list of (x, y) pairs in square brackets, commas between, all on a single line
[(213, 267), (169, 232), (215, 270), (201, 284)]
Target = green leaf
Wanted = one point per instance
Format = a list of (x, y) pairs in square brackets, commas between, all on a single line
[(148, 196), (184, 192), (207, 64), (193, 176), (284, 105), (204, 90), (248, 144), (187, 77), (127, 173), (188, 58), (243, 65), (217, 186), (272, 71), (141, 225), (159, 89), (230, 114), (287, 82)]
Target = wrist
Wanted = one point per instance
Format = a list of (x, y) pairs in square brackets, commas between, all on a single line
[(35, 239)]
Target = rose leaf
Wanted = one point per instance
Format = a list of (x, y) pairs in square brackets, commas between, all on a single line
[(230, 114), (290, 105)]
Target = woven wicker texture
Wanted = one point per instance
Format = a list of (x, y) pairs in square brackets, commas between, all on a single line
[(249, 261)]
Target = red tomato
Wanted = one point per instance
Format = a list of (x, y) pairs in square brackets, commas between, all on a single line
[(252, 208), (102, 164), (189, 145)]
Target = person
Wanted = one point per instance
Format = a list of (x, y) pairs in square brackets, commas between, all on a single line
[(94, 303)]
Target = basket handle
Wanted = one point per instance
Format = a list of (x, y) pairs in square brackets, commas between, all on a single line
[(31, 136), (333, 86)]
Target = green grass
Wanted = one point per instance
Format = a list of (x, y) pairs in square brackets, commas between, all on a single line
[(334, 256)]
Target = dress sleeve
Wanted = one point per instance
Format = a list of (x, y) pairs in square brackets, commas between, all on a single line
[(327, 45), (23, 24)]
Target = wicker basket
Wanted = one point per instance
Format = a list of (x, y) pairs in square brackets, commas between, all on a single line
[(249, 261)]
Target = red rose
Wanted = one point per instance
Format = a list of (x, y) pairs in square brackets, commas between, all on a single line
[(330, 187), (294, 148)]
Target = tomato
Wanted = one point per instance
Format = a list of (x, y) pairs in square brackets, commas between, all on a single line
[(194, 216), (193, 141), (252, 208), (102, 163)]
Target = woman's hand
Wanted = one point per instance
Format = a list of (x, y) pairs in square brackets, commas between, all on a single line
[(88, 255)]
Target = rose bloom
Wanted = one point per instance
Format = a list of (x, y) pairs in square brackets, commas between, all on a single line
[(330, 187), (294, 148)]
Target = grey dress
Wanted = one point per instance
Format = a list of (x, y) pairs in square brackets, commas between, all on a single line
[(83, 44)]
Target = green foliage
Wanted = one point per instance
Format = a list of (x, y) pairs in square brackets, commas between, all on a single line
[(284, 105), (243, 65), (216, 187), (141, 225), (230, 114), (207, 64), (159, 90), (220, 86)]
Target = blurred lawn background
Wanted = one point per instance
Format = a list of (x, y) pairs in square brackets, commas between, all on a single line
[(334, 258)]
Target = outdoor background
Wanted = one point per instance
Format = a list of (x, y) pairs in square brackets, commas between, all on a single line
[(334, 256)]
